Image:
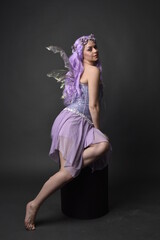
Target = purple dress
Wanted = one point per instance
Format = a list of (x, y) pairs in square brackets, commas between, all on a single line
[(73, 131)]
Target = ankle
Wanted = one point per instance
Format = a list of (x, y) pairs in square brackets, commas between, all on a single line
[(33, 205)]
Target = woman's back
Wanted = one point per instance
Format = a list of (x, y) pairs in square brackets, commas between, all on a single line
[(81, 103)]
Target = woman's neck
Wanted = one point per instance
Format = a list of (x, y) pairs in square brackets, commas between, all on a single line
[(85, 62)]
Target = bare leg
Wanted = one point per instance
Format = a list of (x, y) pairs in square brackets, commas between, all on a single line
[(58, 180), (54, 183), (93, 152)]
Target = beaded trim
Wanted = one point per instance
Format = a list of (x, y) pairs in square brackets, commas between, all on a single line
[(80, 114)]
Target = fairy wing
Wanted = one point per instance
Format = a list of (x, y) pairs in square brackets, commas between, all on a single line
[(60, 74)]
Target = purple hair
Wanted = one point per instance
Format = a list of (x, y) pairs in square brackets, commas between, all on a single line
[(72, 88)]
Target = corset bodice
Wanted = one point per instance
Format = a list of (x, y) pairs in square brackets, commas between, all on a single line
[(81, 104)]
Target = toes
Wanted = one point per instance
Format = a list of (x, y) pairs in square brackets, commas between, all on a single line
[(27, 226), (33, 227), (30, 226)]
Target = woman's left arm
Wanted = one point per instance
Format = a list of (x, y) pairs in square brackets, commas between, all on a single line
[(93, 88)]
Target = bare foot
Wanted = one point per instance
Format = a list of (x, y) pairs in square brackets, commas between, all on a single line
[(30, 216)]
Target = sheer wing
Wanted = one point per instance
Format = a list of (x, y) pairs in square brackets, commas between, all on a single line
[(60, 74)]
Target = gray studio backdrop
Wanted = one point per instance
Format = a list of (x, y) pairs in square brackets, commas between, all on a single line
[(128, 38)]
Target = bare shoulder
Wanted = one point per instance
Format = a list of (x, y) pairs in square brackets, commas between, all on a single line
[(93, 73), (92, 69)]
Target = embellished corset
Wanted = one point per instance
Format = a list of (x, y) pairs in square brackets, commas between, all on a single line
[(81, 105)]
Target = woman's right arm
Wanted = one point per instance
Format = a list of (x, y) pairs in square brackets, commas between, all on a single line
[(93, 89)]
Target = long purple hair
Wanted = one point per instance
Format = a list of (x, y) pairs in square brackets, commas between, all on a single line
[(72, 87)]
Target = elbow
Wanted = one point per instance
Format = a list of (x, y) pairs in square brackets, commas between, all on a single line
[(94, 107)]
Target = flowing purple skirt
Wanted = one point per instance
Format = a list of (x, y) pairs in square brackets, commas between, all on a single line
[(71, 134)]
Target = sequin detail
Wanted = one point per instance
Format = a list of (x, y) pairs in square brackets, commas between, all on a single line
[(80, 114)]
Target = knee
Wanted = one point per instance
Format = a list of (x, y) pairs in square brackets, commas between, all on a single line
[(105, 146), (66, 175)]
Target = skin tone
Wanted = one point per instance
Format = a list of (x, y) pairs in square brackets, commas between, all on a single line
[(90, 53), (90, 154), (91, 76)]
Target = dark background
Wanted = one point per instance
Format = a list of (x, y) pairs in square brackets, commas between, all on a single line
[(128, 37)]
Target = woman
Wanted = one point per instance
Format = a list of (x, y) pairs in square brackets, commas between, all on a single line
[(76, 137)]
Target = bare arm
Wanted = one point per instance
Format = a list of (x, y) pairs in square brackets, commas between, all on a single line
[(93, 88)]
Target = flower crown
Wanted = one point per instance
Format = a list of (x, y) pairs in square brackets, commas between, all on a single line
[(83, 41)]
